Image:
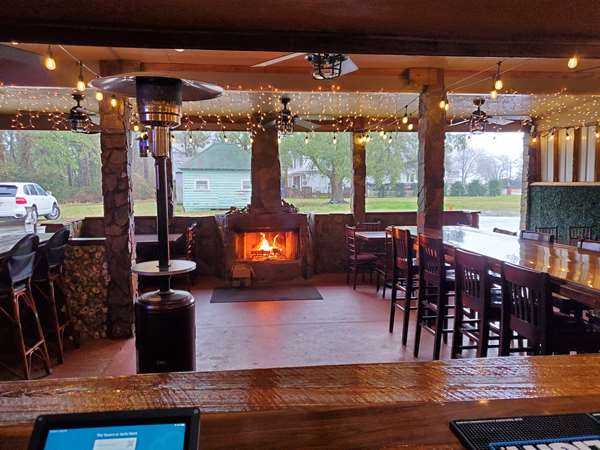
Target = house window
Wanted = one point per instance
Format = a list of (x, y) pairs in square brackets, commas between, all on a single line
[(202, 185), (246, 186)]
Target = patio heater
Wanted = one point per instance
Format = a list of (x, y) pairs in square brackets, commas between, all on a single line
[(165, 318)]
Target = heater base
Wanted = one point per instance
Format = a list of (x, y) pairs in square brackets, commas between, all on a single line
[(165, 325)]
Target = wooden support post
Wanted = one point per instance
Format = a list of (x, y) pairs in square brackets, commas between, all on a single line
[(119, 228), (531, 174), (359, 172), (266, 172), (597, 158), (432, 126)]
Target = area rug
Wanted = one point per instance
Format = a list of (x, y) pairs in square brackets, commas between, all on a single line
[(265, 294)]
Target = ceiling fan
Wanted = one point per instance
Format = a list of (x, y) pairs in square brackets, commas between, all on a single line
[(80, 119), (284, 121), (326, 66), (479, 119)]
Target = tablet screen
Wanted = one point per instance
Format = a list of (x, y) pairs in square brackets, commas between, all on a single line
[(155, 436)]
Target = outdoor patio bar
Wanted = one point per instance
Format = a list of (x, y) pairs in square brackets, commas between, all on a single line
[(274, 225)]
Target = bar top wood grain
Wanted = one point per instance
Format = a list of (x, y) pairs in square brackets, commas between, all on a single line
[(395, 405)]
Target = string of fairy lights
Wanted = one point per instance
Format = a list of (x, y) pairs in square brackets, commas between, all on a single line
[(379, 113)]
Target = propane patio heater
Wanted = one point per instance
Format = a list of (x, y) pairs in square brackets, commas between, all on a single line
[(164, 319)]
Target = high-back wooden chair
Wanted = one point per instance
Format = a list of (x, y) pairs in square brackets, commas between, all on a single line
[(536, 236), (16, 301), (405, 277), (435, 289), (527, 310), (356, 261), (369, 226), (552, 231), (579, 233), (51, 300), (591, 246), (384, 266), (507, 232), (477, 304)]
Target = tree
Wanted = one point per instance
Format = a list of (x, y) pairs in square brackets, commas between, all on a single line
[(460, 158), (457, 189), (475, 189), (494, 188), (332, 160), (388, 161)]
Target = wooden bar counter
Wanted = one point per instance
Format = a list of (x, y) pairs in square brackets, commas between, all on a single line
[(400, 405)]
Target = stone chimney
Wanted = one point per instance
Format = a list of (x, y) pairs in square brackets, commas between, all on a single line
[(265, 173)]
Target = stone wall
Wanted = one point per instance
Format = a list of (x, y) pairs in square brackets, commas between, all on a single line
[(86, 288), (563, 205)]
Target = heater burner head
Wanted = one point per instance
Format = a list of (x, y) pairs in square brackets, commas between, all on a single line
[(159, 94)]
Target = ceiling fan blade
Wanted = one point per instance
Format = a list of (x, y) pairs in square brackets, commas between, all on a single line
[(459, 123), (499, 120), (278, 60), (305, 124), (348, 66)]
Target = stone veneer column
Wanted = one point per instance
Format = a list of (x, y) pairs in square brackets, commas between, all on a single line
[(118, 216), (432, 133), (266, 172), (359, 173), (531, 174)]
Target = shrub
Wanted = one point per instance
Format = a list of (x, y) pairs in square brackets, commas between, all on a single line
[(456, 189), (494, 188), (475, 189)]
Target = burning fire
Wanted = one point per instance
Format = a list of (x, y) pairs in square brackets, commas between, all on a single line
[(266, 249)]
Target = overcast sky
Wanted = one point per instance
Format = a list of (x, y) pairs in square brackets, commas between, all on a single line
[(505, 143)]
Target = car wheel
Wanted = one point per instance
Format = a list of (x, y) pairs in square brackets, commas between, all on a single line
[(55, 213)]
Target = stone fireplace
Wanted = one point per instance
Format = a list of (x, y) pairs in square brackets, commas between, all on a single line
[(269, 236)]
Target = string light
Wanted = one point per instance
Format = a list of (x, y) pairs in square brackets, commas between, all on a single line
[(405, 117), (382, 134), (410, 127), (279, 139), (99, 96), (567, 136), (498, 84), (113, 101), (390, 139), (136, 128), (493, 94), (49, 61), (190, 137), (306, 139), (443, 103), (573, 62), (80, 82), (534, 139), (597, 134), (334, 139)]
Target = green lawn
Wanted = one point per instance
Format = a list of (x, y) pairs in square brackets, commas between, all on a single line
[(506, 205)]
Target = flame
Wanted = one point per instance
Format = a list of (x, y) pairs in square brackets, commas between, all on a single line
[(264, 246)]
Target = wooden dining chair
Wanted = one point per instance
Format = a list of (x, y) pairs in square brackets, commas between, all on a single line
[(356, 260), (527, 310), (579, 233), (50, 298), (369, 226), (17, 304), (589, 245), (405, 276), (552, 231), (185, 248), (384, 266), (507, 232), (436, 286), (536, 236), (477, 304)]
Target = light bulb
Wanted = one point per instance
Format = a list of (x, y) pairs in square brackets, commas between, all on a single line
[(498, 85), (191, 139), (381, 133), (442, 104), (306, 139), (534, 139), (136, 128), (14, 42), (113, 101), (334, 139), (49, 61), (551, 135), (405, 119), (410, 126), (573, 62), (99, 96), (368, 138), (179, 50), (225, 138), (390, 139), (80, 85), (493, 94), (568, 136), (447, 106), (597, 134), (278, 140)]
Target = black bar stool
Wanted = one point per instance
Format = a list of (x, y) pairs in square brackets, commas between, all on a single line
[(15, 293), (47, 283)]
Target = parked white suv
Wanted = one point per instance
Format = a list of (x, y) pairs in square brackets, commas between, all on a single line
[(16, 197)]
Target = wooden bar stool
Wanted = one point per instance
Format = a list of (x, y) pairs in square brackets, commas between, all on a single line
[(579, 233), (477, 304), (356, 260), (527, 310), (384, 266), (436, 286), (51, 300), (552, 231), (405, 277), (16, 300)]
